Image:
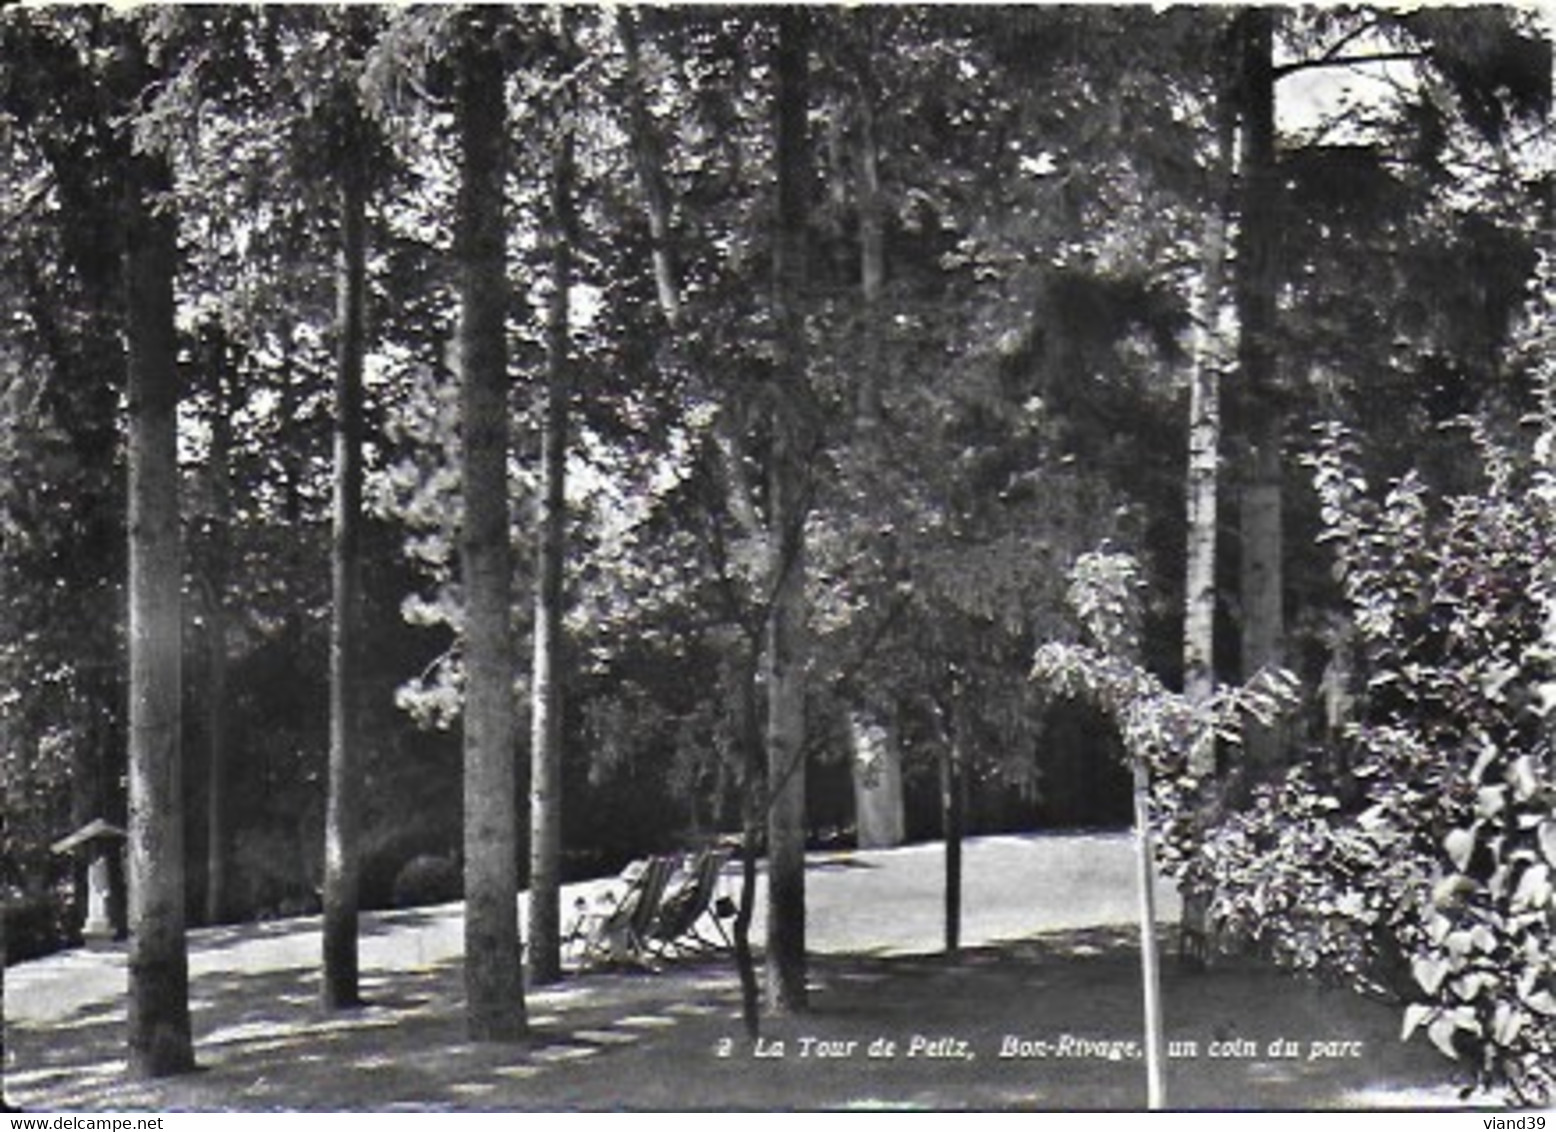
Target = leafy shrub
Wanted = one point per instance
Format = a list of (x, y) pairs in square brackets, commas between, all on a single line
[(1161, 730), (1457, 610), (427, 879), (1443, 860), (37, 924)]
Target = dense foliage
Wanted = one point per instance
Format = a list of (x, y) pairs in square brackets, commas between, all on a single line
[(1418, 858), (1009, 238)]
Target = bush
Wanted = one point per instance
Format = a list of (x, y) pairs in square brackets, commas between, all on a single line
[(37, 925), (427, 879), (1444, 860)]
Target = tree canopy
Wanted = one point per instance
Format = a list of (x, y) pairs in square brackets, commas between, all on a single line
[(814, 345)]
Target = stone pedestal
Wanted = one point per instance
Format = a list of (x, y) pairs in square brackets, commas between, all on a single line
[(99, 917), (100, 844)]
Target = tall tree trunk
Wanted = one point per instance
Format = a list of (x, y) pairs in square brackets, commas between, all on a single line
[(1203, 520), (296, 559), (159, 1033), (5, 1105), (1260, 506), (4, 915), (216, 831), (952, 815), (342, 819), (493, 967), (1199, 621), (786, 617), (545, 873), (872, 255), (878, 806), (648, 162), (753, 799)]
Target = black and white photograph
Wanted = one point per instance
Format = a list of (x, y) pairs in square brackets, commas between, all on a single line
[(826, 557)]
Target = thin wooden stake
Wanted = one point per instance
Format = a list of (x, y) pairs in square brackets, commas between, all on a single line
[(1155, 1041)]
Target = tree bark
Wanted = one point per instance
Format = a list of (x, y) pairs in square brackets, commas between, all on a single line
[(752, 808), (784, 646), (877, 769), (872, 255), (224, 383), (1199, 621), (4, 911), (952, 813), (5, 917), (1203, 519), (159, 1032), (1260, 506), (544, 952), (493, 967), (342, 821)]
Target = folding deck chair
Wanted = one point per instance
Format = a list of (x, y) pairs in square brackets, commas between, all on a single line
[(618, 931), (675, 929)]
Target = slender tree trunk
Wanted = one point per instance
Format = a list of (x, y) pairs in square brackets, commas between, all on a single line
[(545, 892), (342, 821), (296, 561), (648, 162), (5, 917), (872, 259), (1199, 619), (878, 808), (786, 618), (1260, 506), (216, 834), (159, 1033), (5, 1105), (752, 808), (493, 967), (952, 811)]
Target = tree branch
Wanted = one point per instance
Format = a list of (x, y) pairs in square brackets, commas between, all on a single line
[(1326, 60), (1349, 38)]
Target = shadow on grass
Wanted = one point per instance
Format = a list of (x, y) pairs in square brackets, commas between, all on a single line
[(372, 924), (1044, 1022), (836, 864)]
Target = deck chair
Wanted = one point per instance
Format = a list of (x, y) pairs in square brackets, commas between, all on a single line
[(617, 930), (675, 930)]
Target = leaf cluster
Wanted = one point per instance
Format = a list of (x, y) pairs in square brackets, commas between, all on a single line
[(1430, 873)]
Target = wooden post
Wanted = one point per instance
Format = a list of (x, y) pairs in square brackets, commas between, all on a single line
[(1155, 1042)]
